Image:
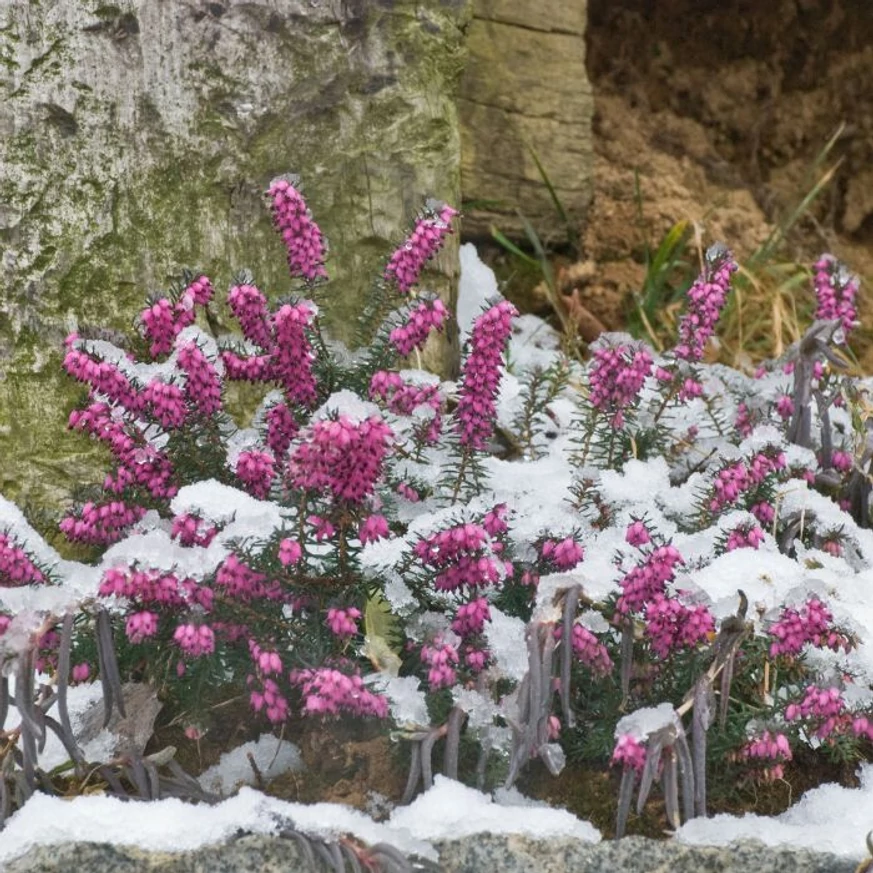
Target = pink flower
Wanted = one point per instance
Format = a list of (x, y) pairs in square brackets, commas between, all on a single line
[(648, 579), (81, 672), (615, 377), (203, 384), (440, 656), (588, 649), (471, 617), (281, 429), (427, 238), (812, 624), (192, 531), (481, 376), (373, 528), (637, 534), (670, 625), (327, 691), (706, 298), (835, 290), (342, 456), (195, 640), (141, 625), (101, 524), (564, 555), (421, 321), (16, 568), (630, 753), (289, 552), (343, 622), (256, 470), (303, 239)]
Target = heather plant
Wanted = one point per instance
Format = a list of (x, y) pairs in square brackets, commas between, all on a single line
[(651, 565)]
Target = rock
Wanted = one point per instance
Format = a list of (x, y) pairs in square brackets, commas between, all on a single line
[(138, 137), (633, 854), (131, 734), (525, 87), (509, 854)]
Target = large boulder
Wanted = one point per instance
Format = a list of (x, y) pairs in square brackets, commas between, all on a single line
[(525, 96), (137, 138)]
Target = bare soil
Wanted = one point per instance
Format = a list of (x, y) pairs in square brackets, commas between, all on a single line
[(716, 112)]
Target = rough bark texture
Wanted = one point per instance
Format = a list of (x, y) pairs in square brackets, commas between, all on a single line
[(525, 88), (136, 138)]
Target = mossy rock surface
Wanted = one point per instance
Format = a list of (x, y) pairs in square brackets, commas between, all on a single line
[(138, 138)]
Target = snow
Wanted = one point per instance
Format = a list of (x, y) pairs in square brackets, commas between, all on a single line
[(451, 811), (826, 819), (477, 289), (447, 811), (272, 757), (643, 722)]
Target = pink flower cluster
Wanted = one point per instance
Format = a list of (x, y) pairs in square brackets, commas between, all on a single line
[(481, 377), (744, 537), (328, 691), (16, 568), (303, 240), (706, 298), (404, 399), (442, 658), (471, 617), (156, 587), (195, 640), (562, 555), (141, 626), (822, 705), (343, 623), (241, 582), (281, 429), (343, 457), (289, 552), (101, 524), (190, 530), (812, 623), (671, 626), (842, 461), (464, 555), (166, 403), (427, 238), (738, 477), (629, 753), (835, 290), (268, 662), (373, 528), (103, 377), (286, 351), (637, 533), (256, 470), (163, 321), (424, 318), (139, 463), (588, 649), (769, 752), (269, 699), (616, 375), (202, 383), (648, 579), (764, 512)]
